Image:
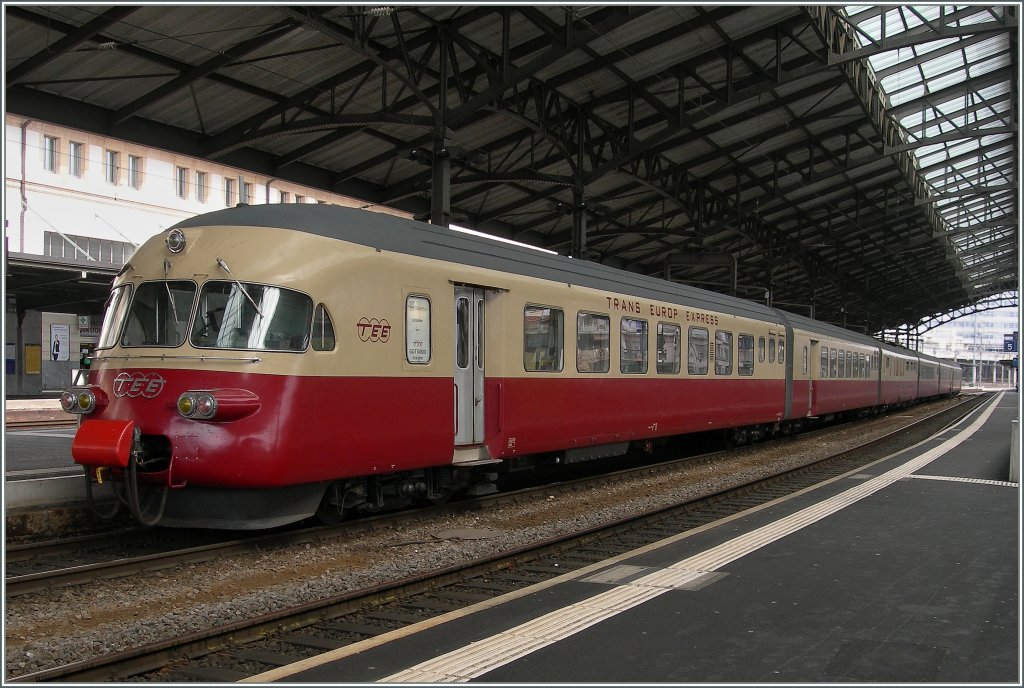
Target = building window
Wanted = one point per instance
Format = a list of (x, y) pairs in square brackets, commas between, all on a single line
[(245, 192), (285, 197), (51, 150), (135, 171), (229, 192), (593, 350), (181, 182), (542, 339), (77, 159), (110, 166), (201, 187), (300, 199)]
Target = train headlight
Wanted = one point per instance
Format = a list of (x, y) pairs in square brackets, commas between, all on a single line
[(68, 401), (187, 404), (176, 241), (81, 400), (206, 406), (198, 405)]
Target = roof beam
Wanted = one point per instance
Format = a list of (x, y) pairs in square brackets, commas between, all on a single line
[(69, 42)]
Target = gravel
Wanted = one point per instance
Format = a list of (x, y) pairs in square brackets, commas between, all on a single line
[(58, 627)]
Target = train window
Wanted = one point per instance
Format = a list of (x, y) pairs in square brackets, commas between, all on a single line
[(633, 346), (323, 330), (417, 329), (723, 352), (745, 354), (833, 363), (771, 349), (237, 315), (697, 351), (462, 333), (159, 314), (824, 363), (542, 338), (593, 343), (760, 349), (807, 360), (842, 363), (113, 315), (782, 351), (669, 337)]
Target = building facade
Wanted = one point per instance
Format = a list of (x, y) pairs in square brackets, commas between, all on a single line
[(82, 203)]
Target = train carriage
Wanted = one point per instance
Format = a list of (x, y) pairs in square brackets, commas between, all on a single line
[(261, 364)]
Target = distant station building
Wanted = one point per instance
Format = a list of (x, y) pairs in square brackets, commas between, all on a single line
[(979, 342), (76, 205)]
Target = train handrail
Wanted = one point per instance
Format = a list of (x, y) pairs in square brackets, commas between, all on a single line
[(163, 357)]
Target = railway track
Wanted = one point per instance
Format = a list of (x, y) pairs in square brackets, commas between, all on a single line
[(250, 647)]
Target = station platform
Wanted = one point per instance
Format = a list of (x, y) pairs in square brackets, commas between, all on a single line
[(906, 570), (41, 409)]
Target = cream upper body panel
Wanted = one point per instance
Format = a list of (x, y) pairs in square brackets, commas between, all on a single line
[(365, 292)]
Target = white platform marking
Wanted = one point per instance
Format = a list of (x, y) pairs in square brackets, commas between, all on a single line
[(478, 658)]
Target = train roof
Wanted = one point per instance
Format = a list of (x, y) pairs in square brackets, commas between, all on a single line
[(400, 235)]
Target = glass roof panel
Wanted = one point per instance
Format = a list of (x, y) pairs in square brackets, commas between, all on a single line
[(955, 84)]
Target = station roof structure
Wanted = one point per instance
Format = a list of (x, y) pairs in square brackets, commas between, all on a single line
[(857, 164)]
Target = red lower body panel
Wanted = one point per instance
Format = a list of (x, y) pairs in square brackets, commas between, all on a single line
[(533, 415), (307, 429)]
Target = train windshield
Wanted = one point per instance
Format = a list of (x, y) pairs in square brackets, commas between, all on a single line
[(242, 315), (159, 314), (113, 316)]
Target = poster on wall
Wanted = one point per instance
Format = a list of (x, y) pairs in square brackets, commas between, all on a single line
[(60, 342), (33, 359), (10, 352)]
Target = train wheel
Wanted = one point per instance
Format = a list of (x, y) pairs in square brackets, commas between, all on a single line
[(329, 513), (442, 497)]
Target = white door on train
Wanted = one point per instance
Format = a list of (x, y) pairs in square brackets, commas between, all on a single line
[(469, 365)]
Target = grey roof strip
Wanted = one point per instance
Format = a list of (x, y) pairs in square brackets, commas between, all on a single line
[(399, 235)]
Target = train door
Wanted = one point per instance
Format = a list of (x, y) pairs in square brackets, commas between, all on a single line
[(469, 365), (812, 379)]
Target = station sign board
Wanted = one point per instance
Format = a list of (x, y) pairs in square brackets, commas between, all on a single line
[(1010, 343)]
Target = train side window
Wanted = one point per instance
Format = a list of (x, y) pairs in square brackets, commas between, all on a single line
[(824, 363), (782, 351), (760, 349), (633, 346), (462, 333), (771, 349), (697, 351), (723, 352), (593, 343), (417, 329), (745, 354), (833, 363), (669, 337), (842, 363), (113, 315), (323, 330), (542, 339), (806, 359)]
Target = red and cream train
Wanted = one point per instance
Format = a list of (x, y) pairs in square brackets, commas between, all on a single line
[(262, 364)]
